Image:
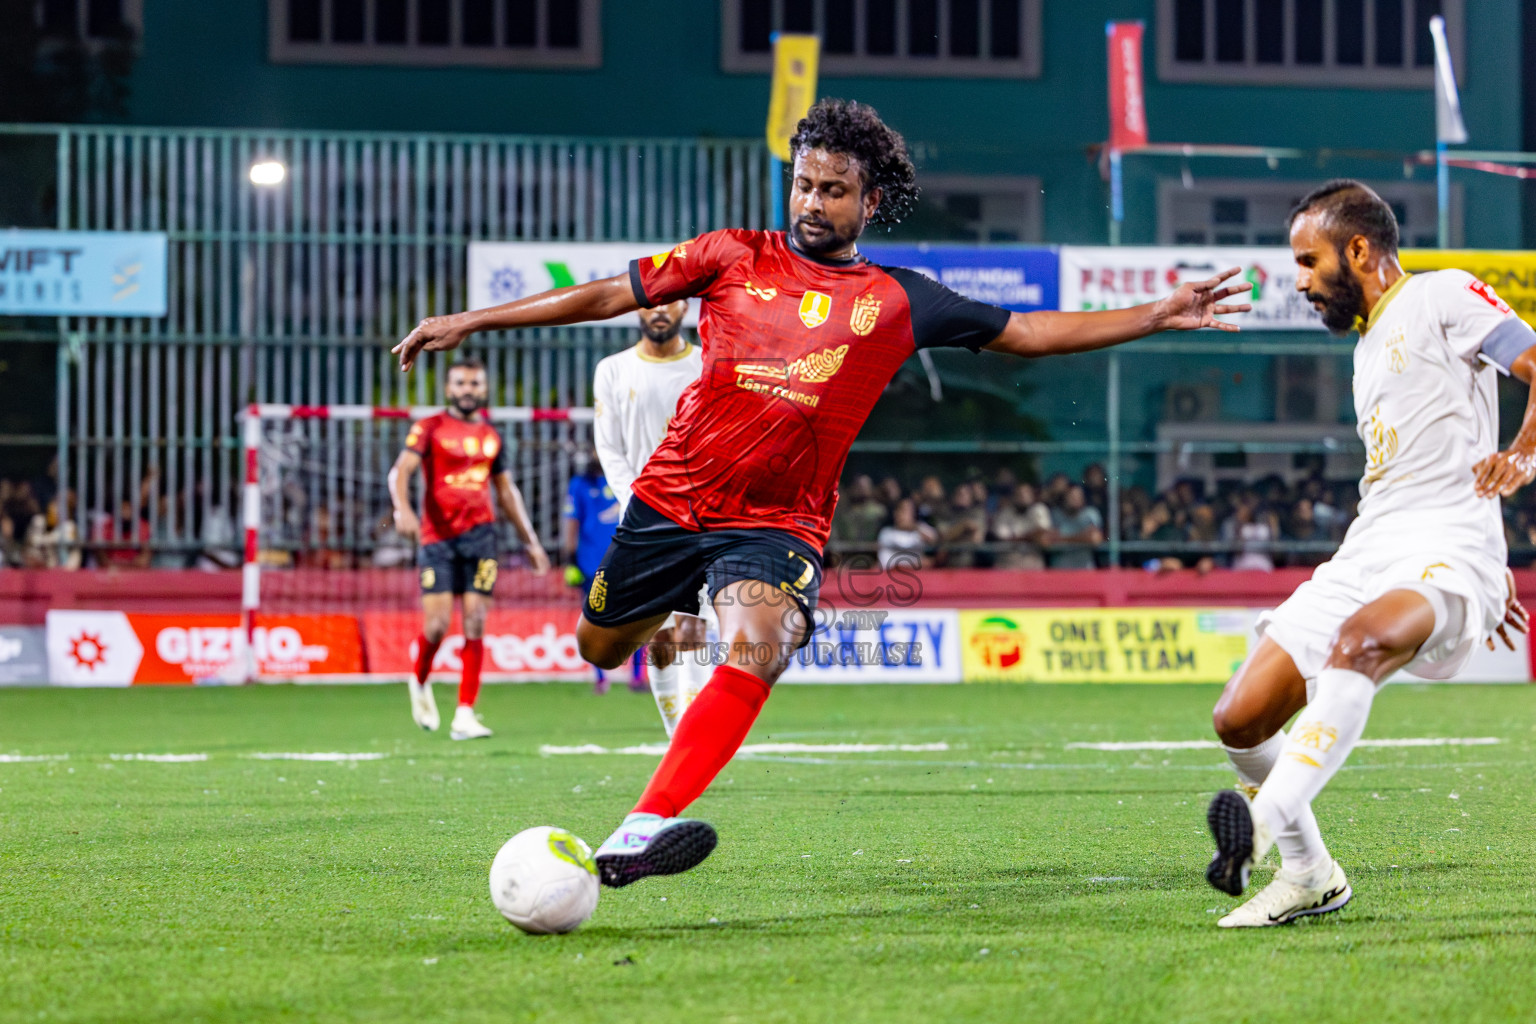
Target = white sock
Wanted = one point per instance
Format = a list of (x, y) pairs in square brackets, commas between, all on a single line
[(665, 688), (1324, 734), (1302, 851), (696, 672)]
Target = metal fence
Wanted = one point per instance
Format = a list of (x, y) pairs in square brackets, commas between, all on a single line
[(293, 293)]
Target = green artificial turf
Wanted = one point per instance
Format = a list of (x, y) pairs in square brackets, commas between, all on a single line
[(1007, 878)]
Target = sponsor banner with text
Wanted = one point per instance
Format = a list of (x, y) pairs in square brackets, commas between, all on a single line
[(83, 273), (500, 272), (100, 648), (1017, 278), (1512, 275), (870, 645), (1104, 645), (23, 655), (521, 644), (1115, 277)]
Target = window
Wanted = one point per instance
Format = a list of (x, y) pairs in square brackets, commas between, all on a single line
[(905, 38), (966, 208), (1251, 211), (1332, 43), (507, 33), (90, 20)]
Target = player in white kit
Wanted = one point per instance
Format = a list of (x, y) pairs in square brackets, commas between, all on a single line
[(1420, 578), (636, 393)]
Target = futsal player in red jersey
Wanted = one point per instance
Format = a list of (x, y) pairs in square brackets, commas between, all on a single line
[(462, 460), (800, 337)]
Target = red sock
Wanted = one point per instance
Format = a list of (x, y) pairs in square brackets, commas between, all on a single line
[(707, 738), (426, 650), (469, 683)]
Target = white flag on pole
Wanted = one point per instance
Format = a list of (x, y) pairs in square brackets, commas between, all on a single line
[(1448, 125)]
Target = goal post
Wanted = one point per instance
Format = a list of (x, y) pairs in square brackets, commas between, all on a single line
[(288, 459)]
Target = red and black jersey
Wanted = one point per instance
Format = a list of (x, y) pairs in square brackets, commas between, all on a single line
[(458, 459), (796, 352)]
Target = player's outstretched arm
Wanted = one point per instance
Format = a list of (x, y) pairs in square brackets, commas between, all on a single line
[(511, 501), (595, 300), (1194, 305), (405, 467), (1503, 473)]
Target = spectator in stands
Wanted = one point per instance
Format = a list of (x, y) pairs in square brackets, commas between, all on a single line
[(859, 514), (1079, 529), (1055, 490), (220, 539), (890, 493), (124, 538), (1250, 530), (170, 534), (1096, 487), (18, 506), (323, 550), (1024, 524), (961, 526), (906, 541), (1203, 529), (932, 502), (1301, 525), (45, 536), (1157, 526), (1004, 483)]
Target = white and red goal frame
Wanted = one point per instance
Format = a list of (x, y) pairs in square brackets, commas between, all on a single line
[(250, 441)]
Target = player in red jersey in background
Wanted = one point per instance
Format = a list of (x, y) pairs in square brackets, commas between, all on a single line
[(801, 336), (462, 459)]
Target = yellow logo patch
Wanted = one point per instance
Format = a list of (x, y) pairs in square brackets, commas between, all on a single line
[(1429, 570), (485, 575), (1316, 735), (428, 578), (660, 258), (866, 310), (819, 366), (598, 598), (815, 308)]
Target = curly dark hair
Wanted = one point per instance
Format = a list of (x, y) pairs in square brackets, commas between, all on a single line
[(855, 130)]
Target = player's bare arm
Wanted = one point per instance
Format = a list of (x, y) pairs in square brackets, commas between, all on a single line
[(595, 300), (1503, 473), (1193, 306), (511, 501), (405, 467)]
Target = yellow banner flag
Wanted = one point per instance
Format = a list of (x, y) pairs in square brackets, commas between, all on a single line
[(1511, 274), (794, 88)]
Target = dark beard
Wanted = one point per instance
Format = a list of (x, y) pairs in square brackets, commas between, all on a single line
[(468, 404), (1341, 303), (660, 334), (832, 241)]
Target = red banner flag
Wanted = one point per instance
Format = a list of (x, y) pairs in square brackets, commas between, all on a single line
[(1127, 106)]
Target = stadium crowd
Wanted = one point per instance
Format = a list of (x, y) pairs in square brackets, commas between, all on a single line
[(1003, 522)]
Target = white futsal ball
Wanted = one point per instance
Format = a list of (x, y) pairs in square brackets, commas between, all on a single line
[(545, 881)]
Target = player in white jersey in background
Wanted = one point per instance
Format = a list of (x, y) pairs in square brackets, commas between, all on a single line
[(636, 393), (1420, 578)]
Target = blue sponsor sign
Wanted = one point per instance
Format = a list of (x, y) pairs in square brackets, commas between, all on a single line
[(82, 273), (1014, 277)]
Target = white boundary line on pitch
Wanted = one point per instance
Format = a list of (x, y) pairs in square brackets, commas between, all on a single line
[(31, 758), (751, 749), (159, 758), (1409, 741), (324, 756)]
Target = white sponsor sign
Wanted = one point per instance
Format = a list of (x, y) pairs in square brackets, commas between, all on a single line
[(500, 272), (92, 648), (882, 645), (1115, 277)]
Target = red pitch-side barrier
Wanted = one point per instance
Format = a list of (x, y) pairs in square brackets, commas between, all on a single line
[(27, 594)]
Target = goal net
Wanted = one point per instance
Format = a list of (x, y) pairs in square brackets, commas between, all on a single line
[(330, 589)]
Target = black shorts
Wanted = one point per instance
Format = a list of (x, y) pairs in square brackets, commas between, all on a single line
[(655, 567), (459, 564)]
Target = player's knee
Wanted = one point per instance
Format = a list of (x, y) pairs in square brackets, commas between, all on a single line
[(1237, 727), (434, 629), (1367, 648), (597, 649), (474, 626)]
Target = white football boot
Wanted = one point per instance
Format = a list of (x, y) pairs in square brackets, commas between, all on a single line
[(1285, 899), (467, 725), (423, 705)]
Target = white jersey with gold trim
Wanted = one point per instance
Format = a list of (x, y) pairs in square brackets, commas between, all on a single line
[(635, 396)]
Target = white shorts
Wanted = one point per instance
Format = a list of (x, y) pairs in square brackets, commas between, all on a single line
[(1462, 583)]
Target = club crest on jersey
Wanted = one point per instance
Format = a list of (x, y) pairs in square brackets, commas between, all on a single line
[(818, 367), (815, 308), (866, 310)]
